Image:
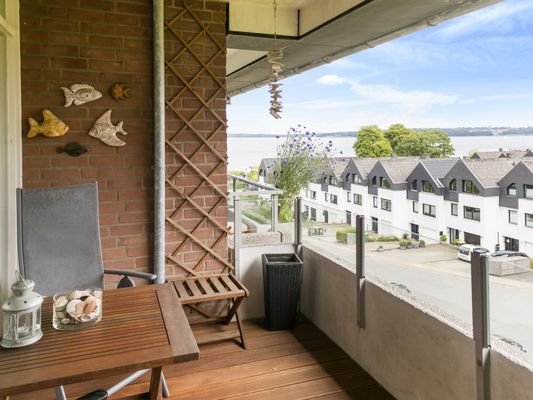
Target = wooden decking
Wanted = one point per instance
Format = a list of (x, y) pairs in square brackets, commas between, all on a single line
[(299, 364)]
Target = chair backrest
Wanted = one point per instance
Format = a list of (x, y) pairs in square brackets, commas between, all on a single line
[(59, 237)]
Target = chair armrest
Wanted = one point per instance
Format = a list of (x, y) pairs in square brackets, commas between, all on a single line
[(127, 274), (134, 274), (99, 394)]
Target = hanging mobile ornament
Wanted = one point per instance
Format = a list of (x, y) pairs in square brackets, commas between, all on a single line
[(274, 58)]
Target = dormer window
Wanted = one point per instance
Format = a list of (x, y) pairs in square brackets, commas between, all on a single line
[(427, 187), (325, 179), (414, 185), (469, 187), (347, 177), (453, 185), (356, 179), (384, 183), (528, 191), (511, 190), (331, 180), (374, 181)]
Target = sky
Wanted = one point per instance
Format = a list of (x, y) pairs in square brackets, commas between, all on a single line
[(472, 71)]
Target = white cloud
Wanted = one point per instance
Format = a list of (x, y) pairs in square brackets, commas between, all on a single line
[(413, 101), (331, 79)]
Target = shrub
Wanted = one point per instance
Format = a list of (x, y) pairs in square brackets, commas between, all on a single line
[(443, 238), (372, 239), (531, 263), (390, 238), (403, 243), (458, 242), (422, 243), (342, 234), (405, 236), (409, 242)]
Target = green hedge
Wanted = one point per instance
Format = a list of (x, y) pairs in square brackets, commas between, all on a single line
[(342, 234)]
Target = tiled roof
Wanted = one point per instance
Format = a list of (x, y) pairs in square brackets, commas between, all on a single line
[(511, 153), (364, 165), (439, 167), (489, 172), (399, 168)]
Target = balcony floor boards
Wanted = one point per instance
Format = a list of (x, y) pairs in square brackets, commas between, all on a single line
[(299, 364)]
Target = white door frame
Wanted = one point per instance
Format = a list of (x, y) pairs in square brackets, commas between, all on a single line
[(10, 141)]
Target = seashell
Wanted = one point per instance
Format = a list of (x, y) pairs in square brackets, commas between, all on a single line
[(80, 93), (119, 91), (90, 304), (75, 308), (51, 126), (78, 294), (60, 303), (65, 321), (104, 130)]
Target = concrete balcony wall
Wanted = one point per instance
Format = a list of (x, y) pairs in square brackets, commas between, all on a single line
[(410, 350)]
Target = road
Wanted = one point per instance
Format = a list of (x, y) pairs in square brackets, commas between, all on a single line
[(436, 277)]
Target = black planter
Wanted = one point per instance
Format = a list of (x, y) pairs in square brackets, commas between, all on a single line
[(282, 277)]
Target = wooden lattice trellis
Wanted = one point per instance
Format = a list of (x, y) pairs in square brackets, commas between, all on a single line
[(195, 89)]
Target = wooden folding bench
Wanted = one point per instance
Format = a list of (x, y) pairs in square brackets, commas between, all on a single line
[(193, 290)]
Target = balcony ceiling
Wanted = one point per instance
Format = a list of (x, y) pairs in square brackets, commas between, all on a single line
[(314, 32)]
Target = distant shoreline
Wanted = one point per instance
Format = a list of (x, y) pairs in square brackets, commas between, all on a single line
[(455, 132)]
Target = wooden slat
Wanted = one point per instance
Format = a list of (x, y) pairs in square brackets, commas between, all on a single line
[(230, 283), (206, 286), (182, 292), (191, 284), (214, 280)]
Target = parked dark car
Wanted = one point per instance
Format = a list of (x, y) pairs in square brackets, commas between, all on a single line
[(508, 253)]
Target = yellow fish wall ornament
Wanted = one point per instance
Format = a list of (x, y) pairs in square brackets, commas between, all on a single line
[(51, 126)]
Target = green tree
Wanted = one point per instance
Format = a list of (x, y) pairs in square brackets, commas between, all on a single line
[(395, 133), (430, 143), (371, 142)]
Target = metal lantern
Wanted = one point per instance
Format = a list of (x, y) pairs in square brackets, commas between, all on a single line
[(22, 315)]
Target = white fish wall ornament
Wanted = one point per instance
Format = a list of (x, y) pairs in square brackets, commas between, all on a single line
[(80, 93), (104, 130)]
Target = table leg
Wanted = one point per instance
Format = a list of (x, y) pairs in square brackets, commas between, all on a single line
[(155, 384)]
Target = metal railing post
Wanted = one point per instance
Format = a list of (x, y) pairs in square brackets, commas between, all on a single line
[(360, 269), (298, 222), (234, 184), (237, 232), (481, 323), (274, 217)]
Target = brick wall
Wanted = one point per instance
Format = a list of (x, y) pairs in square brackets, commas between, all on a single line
[(99, 42)]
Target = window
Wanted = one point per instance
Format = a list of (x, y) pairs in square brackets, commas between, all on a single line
[(386, 205), (306, 192), (513, 217), (415, 206), (529, 220), (374, 201), (454, 209), (384, 183), (325, 179), (348, 197), (326, 197), (528, 191), (414, 185), (313, 214), (374, 181), (469, 187), (347, 177), (472, 213), (427, 187), (357, 199), (356, 179), (511, 190), (313, 194), (333, 198), (331, 180), (453, 185), (428, 209)]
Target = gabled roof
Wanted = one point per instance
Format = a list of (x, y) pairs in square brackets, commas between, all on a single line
[(338, 165), (439, 167), (399, 168), (489, 172), (524, 163), (365, 165), (511, 153)]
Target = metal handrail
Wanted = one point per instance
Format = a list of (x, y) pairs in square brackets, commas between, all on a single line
[(250, 182)]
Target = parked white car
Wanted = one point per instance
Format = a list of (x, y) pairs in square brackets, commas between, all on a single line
[(465, 251)]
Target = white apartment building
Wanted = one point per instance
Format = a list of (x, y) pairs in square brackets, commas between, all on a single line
[(482, 200)]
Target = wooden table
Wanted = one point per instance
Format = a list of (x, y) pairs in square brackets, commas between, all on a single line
[(142, 327)]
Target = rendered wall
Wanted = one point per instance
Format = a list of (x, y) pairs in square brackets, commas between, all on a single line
[(101, 42), (413, 354)]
